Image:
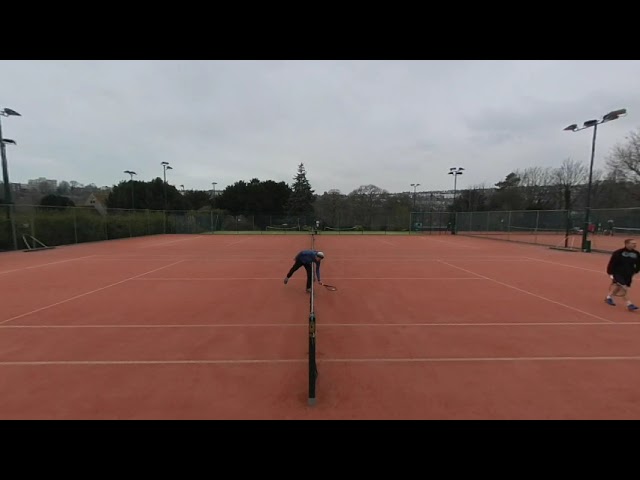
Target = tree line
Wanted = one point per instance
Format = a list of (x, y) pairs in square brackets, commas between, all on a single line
[(533, 188)]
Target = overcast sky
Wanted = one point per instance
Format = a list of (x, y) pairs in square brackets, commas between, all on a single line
[(351, 123)]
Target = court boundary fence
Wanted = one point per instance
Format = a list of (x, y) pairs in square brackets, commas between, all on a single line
[(56, 226)]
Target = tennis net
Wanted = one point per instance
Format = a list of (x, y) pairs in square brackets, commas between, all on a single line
[(313, 369), (626, 231)]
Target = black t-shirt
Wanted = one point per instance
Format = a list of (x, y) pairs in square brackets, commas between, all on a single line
[(624, 262)]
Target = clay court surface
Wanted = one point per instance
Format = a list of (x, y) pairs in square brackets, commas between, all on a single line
[(421, 327)]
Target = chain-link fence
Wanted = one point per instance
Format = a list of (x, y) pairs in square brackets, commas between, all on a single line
[(55, 226), (554, 228)]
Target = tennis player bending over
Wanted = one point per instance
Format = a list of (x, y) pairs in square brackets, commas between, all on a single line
[(623, 265), (304, 259)]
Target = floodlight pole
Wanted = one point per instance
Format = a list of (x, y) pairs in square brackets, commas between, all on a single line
[(165, 167), (455, 171), (414, 185), (132, 173), (7, 112), (614, 115)]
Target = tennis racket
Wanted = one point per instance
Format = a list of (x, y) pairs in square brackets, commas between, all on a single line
[(620, 290), (331, 288)]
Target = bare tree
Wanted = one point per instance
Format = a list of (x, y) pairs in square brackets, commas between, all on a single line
[(535, 183), (472, 199), (366, 200), (330, 207), (624, 160), (567, 177)]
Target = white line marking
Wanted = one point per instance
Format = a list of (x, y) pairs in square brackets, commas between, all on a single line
[(320, 360), (530, 293), (235, 243), (601, 272), (237, 257), (280, 278), (160, 244), (148, 362), (474, 359), (45, 264), (87, 293), (428, 237), (388, 243), (325, 325)]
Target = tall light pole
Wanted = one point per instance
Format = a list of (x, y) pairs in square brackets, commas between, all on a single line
[(132, 173), (455, 171), (165, 167), (214, 192), (7, 112), (613, 115), (414, 185)]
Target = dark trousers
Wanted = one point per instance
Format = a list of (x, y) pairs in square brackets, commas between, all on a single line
[(296, 266)]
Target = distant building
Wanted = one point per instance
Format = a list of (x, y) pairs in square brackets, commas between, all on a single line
[(43, 184)]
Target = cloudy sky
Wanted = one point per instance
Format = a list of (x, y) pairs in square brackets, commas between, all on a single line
[(351, 123)]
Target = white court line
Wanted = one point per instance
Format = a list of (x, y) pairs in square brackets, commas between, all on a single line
[(427, 237), (245, 259), (319, 361), (531, 293), (235, 257), (601, 272), (325, 325), (474, 359), (45, 264), (87, 293), (173, 279), (388, 243), (235, 243), (160, 244)]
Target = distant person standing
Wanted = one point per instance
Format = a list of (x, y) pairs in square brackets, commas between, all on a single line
[(623, 265)]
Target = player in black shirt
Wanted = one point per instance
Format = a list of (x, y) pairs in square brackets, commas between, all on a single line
[(623, 265)]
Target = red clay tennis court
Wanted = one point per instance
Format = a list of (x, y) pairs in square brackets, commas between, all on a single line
[(421, 327)]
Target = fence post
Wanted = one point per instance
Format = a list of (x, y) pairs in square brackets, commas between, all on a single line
[(567, 222), (12, 207), (75, 224)]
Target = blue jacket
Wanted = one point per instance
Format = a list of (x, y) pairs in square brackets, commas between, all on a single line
[(307, 257)]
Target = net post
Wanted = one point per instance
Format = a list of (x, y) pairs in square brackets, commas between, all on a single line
[(313, 369), (313, 372)]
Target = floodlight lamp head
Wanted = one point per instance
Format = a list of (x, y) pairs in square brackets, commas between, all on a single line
[(7, 112), (614, 115)]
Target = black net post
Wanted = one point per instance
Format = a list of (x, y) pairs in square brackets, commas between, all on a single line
[(313, 371)]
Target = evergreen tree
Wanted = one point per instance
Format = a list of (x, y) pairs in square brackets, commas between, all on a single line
[(302, 196)]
